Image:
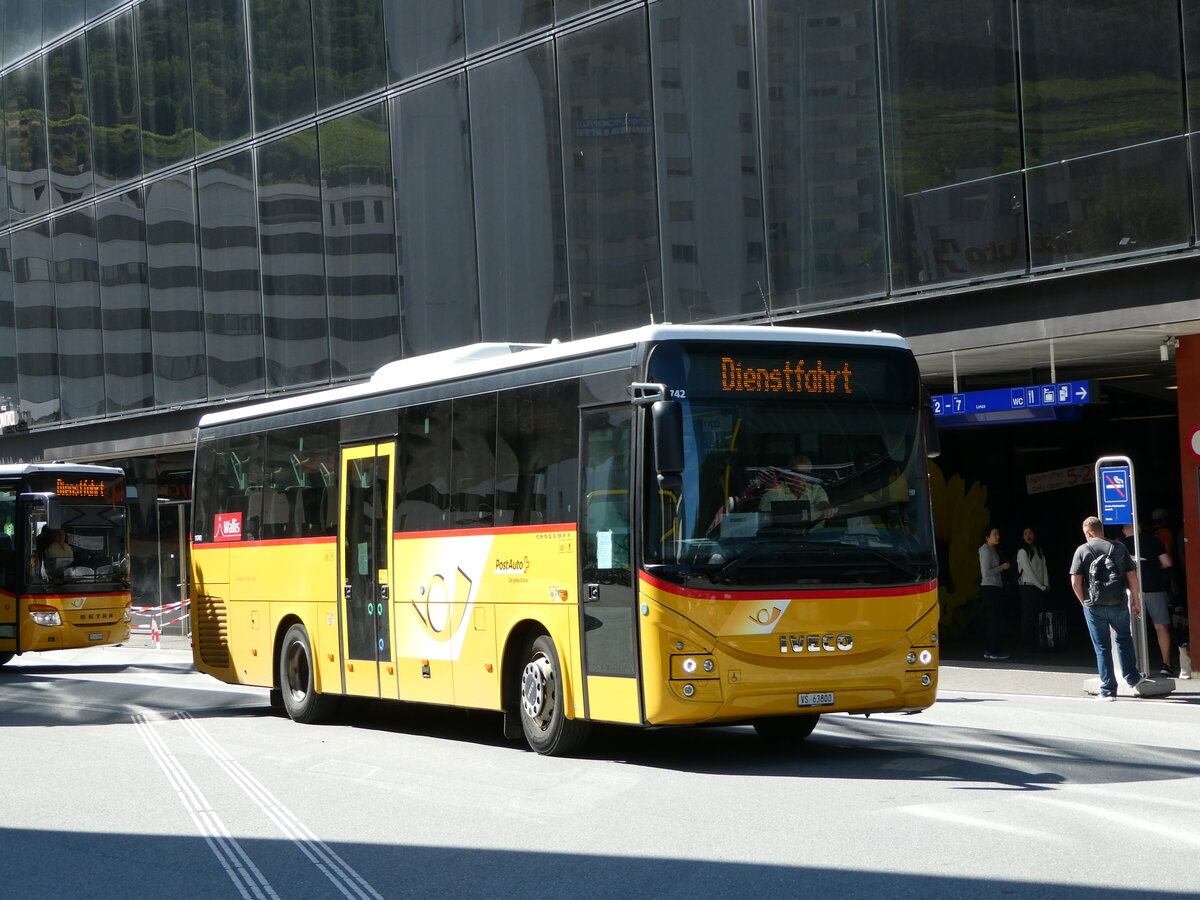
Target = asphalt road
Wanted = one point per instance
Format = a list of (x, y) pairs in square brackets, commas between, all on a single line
[(129, 774)]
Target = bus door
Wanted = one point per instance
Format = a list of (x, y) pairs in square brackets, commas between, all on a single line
[(366, 570), (607, 614), (10, 572)]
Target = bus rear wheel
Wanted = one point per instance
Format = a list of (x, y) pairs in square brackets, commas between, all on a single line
[(786, 729), (543, 706), (296, 680)]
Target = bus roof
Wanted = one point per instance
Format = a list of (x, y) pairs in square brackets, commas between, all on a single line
[(481, 358), (16, 470)]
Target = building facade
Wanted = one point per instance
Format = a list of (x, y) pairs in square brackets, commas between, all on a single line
[(206, 202)]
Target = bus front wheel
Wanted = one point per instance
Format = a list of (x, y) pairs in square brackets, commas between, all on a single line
[(296, 680), (785, 729), (543, 705)]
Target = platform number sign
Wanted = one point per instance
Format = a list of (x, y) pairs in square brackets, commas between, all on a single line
[(1116, 492)]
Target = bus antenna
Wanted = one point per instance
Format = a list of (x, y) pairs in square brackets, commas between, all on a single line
[(766, 305)]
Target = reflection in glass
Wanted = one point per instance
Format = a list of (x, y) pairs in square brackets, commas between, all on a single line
[(112, 81), (1110, 203), (77, 299), (824, 185), (281, 40), (608, 149), (360, 242), (473, 463), (165, 78), (220, 73), (492, 22), (173, 270), (61, 16), (709, 178), (69, 124), (434, 226), (25, 140), (37, 335), (421, 35), (293, 261), (349, 42), (8, 334), (518, 199), (229, 260), (1098, 75), (1191, 46), (125, 302), (950, 114)]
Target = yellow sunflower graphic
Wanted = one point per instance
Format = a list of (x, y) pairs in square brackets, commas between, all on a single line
[(960, 513)]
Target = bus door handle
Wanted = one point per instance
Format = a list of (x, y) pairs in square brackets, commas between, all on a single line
[(347, 590), (593, 593), (383, 593)]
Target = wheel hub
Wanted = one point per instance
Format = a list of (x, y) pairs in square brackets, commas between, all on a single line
[(535, 682)]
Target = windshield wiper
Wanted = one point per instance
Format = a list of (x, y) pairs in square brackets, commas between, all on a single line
[(752, 551)]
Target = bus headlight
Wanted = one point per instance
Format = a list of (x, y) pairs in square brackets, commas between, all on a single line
[(912, 658), (128, 616), (689, 665), (926, 657), (44, 615)]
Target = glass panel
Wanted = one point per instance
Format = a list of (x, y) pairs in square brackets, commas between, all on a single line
[(950, 113), (473, 463), (824, 185), (423, 469), (1191, 45), (112, 81), (220, 73), (519, 199), (172, 263), (281, 40), (1111, 203), (293, 261), (1098, 75), (360, 242), (350, 49), (564, 9), (608, 152), (8, 334), (434, 217), (301, 463), (492, 22), (69, 123), (37, 335), (21, 25), (165, 73), (80, 331), (708, 170), (229, 257), (25, 141), (60, 16), (422, 35), (125, 301), (4, 189)]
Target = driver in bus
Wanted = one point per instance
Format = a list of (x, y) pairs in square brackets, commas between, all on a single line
[(55, 551), (795, 482)]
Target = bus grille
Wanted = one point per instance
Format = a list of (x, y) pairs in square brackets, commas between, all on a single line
[(211, 631)]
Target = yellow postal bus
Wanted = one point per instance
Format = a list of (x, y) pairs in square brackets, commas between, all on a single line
[(674, 525), (64, 566)]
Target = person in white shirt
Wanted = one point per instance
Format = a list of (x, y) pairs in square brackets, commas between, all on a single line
[(1033, 585)]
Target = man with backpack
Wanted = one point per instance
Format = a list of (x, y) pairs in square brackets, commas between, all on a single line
[(1101, 572)]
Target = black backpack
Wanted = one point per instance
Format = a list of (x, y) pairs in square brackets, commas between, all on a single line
[(1106, 581)]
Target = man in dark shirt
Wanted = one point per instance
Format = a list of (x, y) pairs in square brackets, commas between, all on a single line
[(1156, 584)]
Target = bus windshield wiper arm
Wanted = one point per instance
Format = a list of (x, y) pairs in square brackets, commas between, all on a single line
[(734, 564)]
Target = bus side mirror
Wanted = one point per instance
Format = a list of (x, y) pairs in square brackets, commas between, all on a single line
[(933, 442), (667, 416)]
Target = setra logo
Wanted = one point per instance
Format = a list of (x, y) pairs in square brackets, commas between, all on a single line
[(227, 526), (815, 643)]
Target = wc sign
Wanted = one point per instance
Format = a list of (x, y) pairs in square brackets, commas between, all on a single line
[(1116, 495)]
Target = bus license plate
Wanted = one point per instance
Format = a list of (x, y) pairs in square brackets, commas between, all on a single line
[(822, 699), (96, 636)]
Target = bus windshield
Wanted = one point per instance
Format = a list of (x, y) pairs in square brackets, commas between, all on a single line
[(802, 468), (87, 548)]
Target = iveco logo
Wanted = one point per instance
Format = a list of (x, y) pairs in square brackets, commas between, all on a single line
[(815, 643)]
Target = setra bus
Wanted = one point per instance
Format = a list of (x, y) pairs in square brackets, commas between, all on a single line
[(673, 525), (64, 563)]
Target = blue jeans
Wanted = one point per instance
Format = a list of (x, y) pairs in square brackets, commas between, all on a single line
[(1099, 620)]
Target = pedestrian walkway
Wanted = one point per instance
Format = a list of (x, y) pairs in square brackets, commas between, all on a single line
[(1008, 677)]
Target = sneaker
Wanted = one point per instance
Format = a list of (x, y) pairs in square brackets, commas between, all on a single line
[(999, 656), (1142, 682), (1166, 672), (1105, 698)]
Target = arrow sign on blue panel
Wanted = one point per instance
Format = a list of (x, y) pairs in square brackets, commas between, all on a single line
[(1116, 505), (1063, 393)]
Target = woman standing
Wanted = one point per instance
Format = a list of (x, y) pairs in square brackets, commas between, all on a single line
[(1034, 587), (991, 572)]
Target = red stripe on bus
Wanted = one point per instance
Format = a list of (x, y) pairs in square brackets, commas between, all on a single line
[(276, 542), (498, 529), (821, 594)]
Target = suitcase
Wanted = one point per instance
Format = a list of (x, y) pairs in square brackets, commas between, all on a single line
[(1052, 629)]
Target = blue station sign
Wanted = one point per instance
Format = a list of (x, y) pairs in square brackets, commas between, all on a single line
[(1116, 495), (1061, 393)]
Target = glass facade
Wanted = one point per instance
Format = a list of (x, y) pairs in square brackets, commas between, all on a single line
[(205, 200)]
